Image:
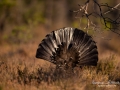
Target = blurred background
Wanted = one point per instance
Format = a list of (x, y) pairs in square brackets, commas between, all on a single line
[(24, 23), (28, 21)]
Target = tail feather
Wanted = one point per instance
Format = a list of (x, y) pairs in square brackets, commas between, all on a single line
[(88, 60), (41, 53), (78, 37), (87, 55), (68, 45)]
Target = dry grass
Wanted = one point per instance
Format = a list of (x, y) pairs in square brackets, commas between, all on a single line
[(19, 69)]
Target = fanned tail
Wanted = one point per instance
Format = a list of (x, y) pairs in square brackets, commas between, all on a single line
[(68, 45)]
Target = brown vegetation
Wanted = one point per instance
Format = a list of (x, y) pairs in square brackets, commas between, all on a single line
[(19, 69)]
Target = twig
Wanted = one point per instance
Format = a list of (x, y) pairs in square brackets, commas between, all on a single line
[(84, 12), (112, 8)]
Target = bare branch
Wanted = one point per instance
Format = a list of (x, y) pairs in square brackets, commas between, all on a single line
[(84, 12), (112, 8)]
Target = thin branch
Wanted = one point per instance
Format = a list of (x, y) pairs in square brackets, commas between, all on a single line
[(112, 8), (83, 10)]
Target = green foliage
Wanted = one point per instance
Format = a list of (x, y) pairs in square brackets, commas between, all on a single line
[(6, 6), (7, 3), (18, 17), (19, 34), (33, 16)]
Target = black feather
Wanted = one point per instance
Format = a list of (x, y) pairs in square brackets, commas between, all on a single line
[(68, 45)]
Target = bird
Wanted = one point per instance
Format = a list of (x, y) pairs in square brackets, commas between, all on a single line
[(68, 47)]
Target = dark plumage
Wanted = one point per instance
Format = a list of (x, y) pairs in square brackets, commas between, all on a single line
[(68, 47)]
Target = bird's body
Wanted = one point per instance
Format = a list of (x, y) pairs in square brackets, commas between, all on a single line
[(69, 47)]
